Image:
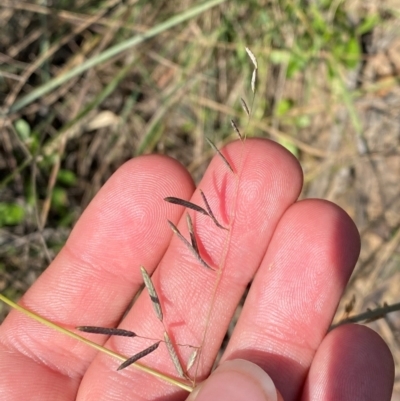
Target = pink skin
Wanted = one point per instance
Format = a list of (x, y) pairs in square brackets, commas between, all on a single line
[(300, 255)]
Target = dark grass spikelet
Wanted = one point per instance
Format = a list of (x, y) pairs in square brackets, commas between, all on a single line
[(191, 232), (189, 245), (210, 213), (220, 154), (185, 203), (155, 300), (107, 331), (235, 127), (138, 356), (245, 107)]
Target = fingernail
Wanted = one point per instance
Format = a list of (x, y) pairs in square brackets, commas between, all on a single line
[(236, 380)]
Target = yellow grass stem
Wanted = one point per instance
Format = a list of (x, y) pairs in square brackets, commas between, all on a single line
[(92, 344)]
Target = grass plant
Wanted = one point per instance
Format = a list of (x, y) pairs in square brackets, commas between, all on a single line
[(86, 85)]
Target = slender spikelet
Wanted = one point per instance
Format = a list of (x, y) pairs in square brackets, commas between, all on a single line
[(192, 359), (210, 213), (185, 203), (253, 81), (191, 232), (138, 356), (220, 154), (245, 107), (155, 300), (173, 355), (197, 208), (107, 330), (235, 127), (188, 245), (254, 75), (252, 58)]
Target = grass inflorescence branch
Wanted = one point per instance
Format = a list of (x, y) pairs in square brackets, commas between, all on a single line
[(194, 251), (211, 143)]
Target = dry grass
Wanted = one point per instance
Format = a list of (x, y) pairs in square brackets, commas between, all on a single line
[(338, 114)]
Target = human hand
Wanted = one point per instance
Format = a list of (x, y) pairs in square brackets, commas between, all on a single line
[(299, 255)]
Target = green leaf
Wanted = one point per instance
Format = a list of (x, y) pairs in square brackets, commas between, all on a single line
[(353, 53), (23, 129), (66, 177), (283, 107), (317, 21), (295, 65), (11, 214), (59, 198), (370, 22)]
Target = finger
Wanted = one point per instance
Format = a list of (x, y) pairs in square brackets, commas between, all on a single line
[(352, 364), (198, 302), (94, 277), (295, 293), (237, 380)]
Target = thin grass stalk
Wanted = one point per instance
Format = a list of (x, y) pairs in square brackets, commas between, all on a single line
[(111, 52), (92, 344)]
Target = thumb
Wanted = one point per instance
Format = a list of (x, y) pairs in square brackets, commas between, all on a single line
[(236, 380)]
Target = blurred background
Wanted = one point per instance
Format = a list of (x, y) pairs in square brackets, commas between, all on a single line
[(86, 85)]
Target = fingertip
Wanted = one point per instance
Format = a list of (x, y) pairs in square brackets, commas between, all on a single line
[(352, 363), (237, 380), (363, 346), (266, 155)]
